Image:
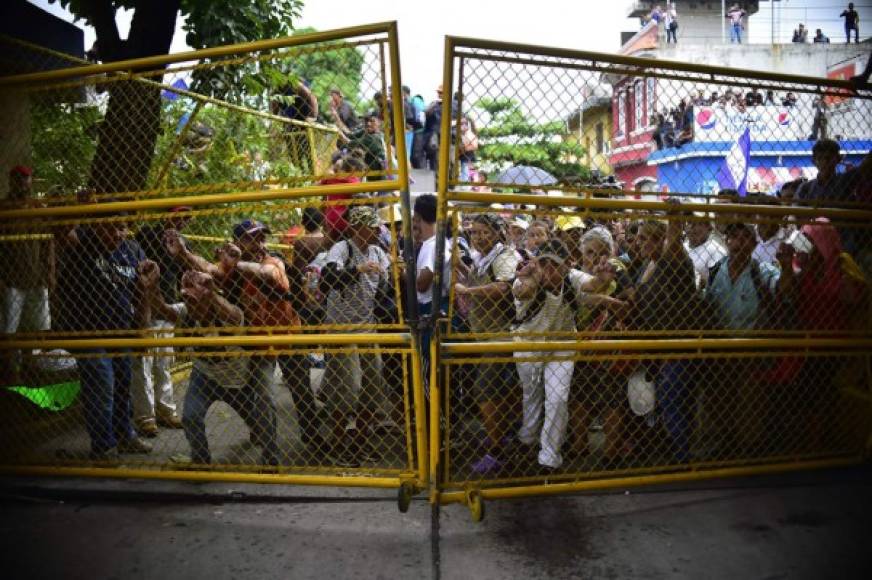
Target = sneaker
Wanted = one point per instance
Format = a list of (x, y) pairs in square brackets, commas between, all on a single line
[(147, 428), (184, 462), (170, 421), (181, 458), (546, 470), (370, 456), (343, 459), (385, 424), (109, 456), (487, 464), (134, 445)]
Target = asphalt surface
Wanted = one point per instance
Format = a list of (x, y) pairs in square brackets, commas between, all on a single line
[(807, 525)]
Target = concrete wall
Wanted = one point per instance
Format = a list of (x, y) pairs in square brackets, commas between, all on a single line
[(801, 59), (702, 23)]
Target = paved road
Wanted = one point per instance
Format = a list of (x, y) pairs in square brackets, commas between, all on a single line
[(813, 525)]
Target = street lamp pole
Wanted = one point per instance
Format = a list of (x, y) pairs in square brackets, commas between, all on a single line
[(723, 21)]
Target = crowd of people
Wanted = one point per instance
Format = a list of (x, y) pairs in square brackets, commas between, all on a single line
[(674, 127), (737, 18), (364, 134), (511, 272)]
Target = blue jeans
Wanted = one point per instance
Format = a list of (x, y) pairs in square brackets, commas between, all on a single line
[(253, 402), (856, 34), (105, 383), (673, 390), (736, 33)]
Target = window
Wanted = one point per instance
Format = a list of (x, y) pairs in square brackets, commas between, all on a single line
[(638, 106), (621, 121), (650, 95), (600, 138)]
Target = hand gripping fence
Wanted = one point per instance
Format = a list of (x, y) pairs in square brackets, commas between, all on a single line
[(640, 282), (209, 270), (202, 266)]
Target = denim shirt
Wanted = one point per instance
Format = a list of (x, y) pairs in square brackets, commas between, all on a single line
[(738, 304)]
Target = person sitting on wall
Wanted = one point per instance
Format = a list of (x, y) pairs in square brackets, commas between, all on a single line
[(820, 37), (800, 35)]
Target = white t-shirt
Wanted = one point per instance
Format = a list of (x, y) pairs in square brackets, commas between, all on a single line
[(766, 249), (355, 304), (556, 313), (704, 256), (427, 260), (229, 370)]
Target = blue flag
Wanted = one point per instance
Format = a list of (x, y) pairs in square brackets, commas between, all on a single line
[(172, 95), (733, 173)]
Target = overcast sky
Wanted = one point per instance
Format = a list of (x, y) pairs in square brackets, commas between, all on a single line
[(422, 26), (580, 24)]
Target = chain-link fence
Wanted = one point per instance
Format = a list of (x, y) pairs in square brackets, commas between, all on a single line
[(203, 264), (650, 269), (221, 121)]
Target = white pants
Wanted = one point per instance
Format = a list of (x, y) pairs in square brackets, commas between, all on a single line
[(151, 374), (27, 304), (545, 388)]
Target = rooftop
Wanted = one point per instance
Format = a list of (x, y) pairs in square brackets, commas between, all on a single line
[(640, 8)]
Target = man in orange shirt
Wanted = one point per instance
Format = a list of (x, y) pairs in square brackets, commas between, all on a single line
[(257, 281)]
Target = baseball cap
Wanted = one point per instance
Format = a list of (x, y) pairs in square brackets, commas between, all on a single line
[(491, 220), (640, 393), (22, 170), (568, 222), (363, 216), (249, 227), (554, 250), (519, 223), (385, 215)]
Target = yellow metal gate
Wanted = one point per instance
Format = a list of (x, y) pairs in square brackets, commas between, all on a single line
[(209, 270), (627, 310), (202, 270)]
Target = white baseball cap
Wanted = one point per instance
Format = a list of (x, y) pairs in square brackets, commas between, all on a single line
[(641, 393)]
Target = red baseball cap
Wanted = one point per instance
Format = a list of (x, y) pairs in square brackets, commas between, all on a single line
[(22, 170)]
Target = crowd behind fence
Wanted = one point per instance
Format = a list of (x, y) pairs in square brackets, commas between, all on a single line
[(552, 329)]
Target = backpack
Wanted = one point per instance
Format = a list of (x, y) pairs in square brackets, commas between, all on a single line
[(569, 296), (409, 113), (384, 303), (418, 107)]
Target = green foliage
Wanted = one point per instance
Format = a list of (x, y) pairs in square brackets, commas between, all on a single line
[(340, 67), (68, 128), (226, 156), (209, 22), (510, 138)]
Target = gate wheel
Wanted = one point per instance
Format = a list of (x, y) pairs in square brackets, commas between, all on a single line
[(404, 496), (475, 503)]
